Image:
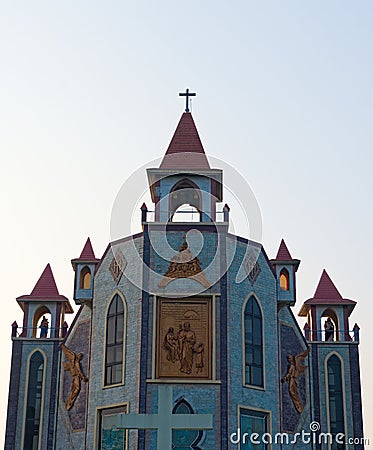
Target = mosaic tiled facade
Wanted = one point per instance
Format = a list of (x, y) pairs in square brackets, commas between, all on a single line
[(226, 343)]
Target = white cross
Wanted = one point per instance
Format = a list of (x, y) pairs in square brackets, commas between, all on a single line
[(164, 421)]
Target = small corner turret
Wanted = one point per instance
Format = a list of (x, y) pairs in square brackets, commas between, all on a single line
[(84, 268), (43, 309), (285, 267), (328, 313)]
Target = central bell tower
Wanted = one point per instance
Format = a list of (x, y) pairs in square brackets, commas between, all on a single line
[(185, 179)]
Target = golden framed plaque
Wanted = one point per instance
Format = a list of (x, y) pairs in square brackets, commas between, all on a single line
[(184, 338)]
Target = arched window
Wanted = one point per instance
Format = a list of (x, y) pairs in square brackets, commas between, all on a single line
[(336, 401), (34, 402), (85, 278), (284, 280), (185, 439), (114, 342), (253, 335)]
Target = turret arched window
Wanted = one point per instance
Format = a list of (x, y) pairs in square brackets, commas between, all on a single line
[(115, 336), (284, 280), (34, 405), (85, 278), (336, 400), (185, 439), (253, 339)]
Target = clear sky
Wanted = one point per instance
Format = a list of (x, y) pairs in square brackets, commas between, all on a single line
[(88, 93)]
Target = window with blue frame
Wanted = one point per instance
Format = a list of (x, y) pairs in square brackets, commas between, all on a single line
[(185, 439), (34, 402), (253, 424), (253, 335), (336, 402), (114, 351)]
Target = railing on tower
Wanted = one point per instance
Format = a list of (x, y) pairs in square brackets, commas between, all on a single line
[(189, 215), (37, 333), (334, 336)]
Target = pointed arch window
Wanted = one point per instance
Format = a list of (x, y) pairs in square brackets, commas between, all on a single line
[(336, 401), (253, 348), (114, 350), (185, 439), (85, 278), (34, 402), (284, 280)]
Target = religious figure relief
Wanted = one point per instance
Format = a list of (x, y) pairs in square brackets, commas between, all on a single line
[(76, 372), (184, 265), (295, 370), (170, 344), (184, 338), (199, 357), (181, 348)]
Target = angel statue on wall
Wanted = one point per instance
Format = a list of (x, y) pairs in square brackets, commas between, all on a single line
[(295, 370), (76, 372)]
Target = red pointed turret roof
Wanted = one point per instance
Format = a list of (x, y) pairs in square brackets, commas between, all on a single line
[(87, 254), (326, 288), (46, 289), (46, 285), (326, 294), (185, 150), (283, 253)]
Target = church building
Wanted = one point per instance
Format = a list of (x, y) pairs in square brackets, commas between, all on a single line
[(184, 336)]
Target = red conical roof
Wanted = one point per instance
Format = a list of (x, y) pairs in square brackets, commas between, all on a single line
[(87, 252), (283, 253), (46, 289), (185, 150), (326, 288), (87, 255), (46, 285), (326, 294)]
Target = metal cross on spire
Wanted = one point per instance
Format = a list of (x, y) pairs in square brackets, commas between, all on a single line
[(187, 94)]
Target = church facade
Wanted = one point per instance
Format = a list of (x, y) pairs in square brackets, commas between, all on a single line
[(184, 338)]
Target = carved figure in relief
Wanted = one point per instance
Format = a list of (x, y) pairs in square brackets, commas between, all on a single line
[(200, 349), (295, 370), (170, 344), (187, 339), (76, 372), (184, 265)]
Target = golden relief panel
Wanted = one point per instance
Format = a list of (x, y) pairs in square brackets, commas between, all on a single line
[(184, 338)]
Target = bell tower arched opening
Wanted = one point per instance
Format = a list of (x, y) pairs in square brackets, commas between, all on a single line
[(41, 324), (330, 325), (185, 203)]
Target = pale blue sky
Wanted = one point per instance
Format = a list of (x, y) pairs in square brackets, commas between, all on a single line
[(88, 93)]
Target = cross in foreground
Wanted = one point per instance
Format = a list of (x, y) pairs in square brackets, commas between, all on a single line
[(164, 421)]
